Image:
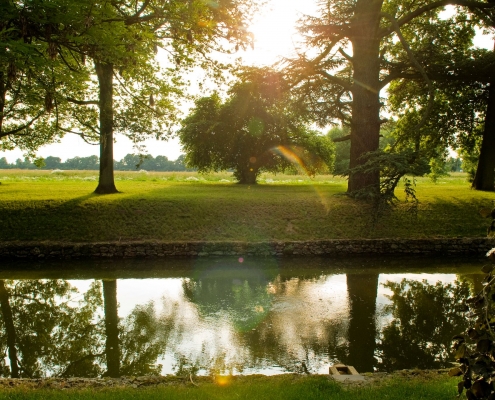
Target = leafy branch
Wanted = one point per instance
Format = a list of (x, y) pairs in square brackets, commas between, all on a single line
[(476, 357)]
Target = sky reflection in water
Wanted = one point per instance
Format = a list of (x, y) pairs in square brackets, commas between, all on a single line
[(227, 316)]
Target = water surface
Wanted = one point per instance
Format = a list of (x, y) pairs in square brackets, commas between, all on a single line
[(235, 315)]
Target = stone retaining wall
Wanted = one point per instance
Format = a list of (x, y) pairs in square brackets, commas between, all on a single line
[(154, 249)]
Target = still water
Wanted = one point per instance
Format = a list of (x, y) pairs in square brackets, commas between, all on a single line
[(237, 315)]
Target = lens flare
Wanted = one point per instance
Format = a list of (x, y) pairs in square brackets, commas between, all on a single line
[(223, 380), (305, 163), (292, 157), (367, 87)]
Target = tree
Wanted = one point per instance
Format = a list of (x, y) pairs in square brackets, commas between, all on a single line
[(253, 131), (462, 77), (24, 164), (121, 37), (81, 163), (338, 86), (52, 162), (36, 75), (4, 164)]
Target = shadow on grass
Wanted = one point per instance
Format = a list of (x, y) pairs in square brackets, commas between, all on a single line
[(200, 212)]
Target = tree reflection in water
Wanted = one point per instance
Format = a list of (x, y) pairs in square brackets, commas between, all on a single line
[(296, 336), (246, 319), (362, 290), (425, 317), (47, 328), (49, 332)]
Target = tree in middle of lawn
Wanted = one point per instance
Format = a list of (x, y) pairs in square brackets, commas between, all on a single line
[(253, 131)]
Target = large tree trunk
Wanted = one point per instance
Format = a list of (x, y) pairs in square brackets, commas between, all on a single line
[(485, 175), (362, 290), (112, 346), (365, 123), (10, 329), (247, 176), (3, 93), (106, 184)]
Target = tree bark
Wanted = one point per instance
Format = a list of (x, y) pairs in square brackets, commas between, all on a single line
[(106, 183), (362, 290), (3, 93), (485, 172), (248, 176), (10, 329), (112, 346), (365, 122)]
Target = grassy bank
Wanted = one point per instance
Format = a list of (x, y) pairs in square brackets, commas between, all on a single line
[(273, 388), (39, 205)]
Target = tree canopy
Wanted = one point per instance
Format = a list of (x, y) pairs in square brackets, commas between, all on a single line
[(355, 49), (130, 93), (254, 130), (36, 76)]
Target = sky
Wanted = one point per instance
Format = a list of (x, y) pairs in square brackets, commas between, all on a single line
[(275, 37)]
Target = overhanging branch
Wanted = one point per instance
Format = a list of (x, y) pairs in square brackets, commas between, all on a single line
[(21, 128), (419, 67), (334, 79), (342, 139), (83, 102), (437, 4)]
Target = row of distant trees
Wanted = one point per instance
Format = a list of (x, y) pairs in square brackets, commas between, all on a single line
[(130, 162), (133, 162)]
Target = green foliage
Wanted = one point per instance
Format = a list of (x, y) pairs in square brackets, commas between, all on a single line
[(420, 334), (437, 169), (392, 167), (458, 109), (342, 149), (470, 152), (36, 75), (453, 164), (63, 336), (131, 162), (474, 348), (255, 130), (238, 291)]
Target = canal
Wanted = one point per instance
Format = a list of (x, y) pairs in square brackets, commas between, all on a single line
[(231, 315)]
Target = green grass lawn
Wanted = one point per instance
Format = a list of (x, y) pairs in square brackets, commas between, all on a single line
[(284, 387), (39, 205)]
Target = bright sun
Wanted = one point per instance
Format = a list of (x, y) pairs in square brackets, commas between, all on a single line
[(275, 31)]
